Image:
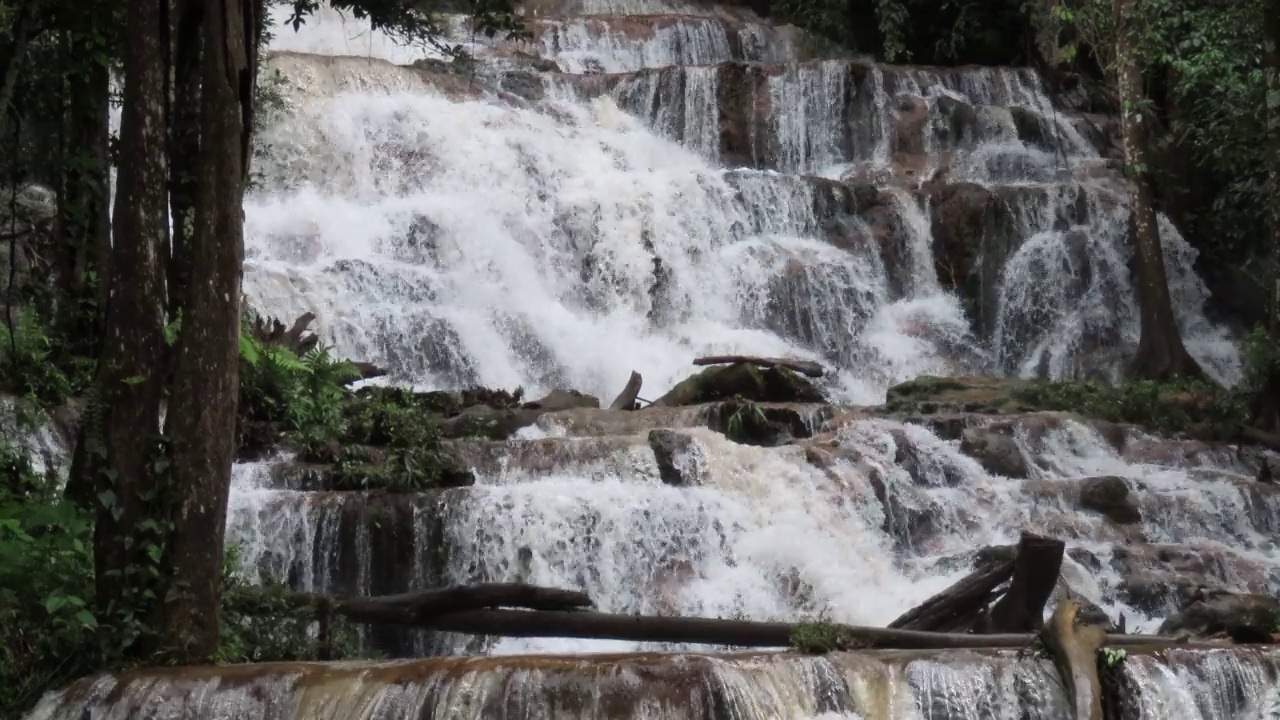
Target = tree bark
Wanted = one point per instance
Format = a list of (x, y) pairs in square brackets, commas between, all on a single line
[(203, 407), (23, 24), (1269, 416), (958, 605), (804, 367), (84, 215), (418, 608), (1075, 653), (1035, 573), (1161, 354), (130, 380), (185, 145), (627, 398)]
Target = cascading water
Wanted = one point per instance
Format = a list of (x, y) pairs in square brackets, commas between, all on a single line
[(564, 231)]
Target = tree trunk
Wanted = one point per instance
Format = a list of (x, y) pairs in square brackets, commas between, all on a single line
[(130, 379), (84, 214), (23, 23), (205, 392), (185, 147), (1161, 354), (1075, 653), (1270, 415), (1035, 573)]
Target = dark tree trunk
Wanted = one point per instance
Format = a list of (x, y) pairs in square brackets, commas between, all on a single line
[(205, 391), (1035, 573), (23, 23), (185, 148), (84, 215), (1269, 416), (1161, 354), (130, 380)]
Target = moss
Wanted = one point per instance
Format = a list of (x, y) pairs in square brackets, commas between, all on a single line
[(821, 637), (1201, 410)]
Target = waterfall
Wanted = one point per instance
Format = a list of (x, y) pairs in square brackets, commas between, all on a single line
[(672, 181)]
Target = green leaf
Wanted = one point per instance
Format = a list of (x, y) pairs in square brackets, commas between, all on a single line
[(133, 380), (154, 552), (249, 350), (55, 603), (87, 619), (107, 498)]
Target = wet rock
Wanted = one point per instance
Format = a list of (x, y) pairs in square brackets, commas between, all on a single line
[(910, 518), (1109, 495), (557, 400), (1245, 618), (956, 121), (674, 453), (482, 421), (1031, 128), (748, 382), (750, 423), (1164, 578), (973, 234), (910, 458), (998, 454)]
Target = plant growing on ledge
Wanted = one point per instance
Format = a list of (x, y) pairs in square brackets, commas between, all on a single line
[(820, 637)]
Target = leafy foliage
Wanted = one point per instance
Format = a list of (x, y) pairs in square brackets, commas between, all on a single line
[(820, 637), (27, 362), (1200, 407), (48, 633)]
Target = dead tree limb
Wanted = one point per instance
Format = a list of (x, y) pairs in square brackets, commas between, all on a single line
[(627, 398), (1075, 653), (1035, 573), (418, 608), (698, 631), (959, 605), (804, 367)]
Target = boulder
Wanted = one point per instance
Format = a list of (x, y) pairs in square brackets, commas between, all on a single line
[(1109, 496), (748, 423), (748, 382), (675, 454), (973, 233), (998, 454), (557, 400), (1245, 618)]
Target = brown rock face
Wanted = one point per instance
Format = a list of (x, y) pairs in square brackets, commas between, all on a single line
[(1109, 496), (967, 218), (998, 454), (1242, 617)]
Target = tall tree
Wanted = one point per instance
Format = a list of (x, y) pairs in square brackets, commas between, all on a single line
[(130, 380), (1269, 412), (205, 393), (1161, 354), (185, 147)]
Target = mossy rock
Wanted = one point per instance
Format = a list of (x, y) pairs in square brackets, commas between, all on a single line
[(930, 395), (748, 382), (1242, 617)]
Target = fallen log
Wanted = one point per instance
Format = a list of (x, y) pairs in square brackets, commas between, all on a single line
[(700, 631), (562, 613), (959, 605), (1075, 647), (1035, 574), (418, 608), (627, 398), (804, 367)]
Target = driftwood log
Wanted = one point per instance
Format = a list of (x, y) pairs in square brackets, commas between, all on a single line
[(959, 605), (562, 613), (1075, 647), (1035, 574), (1031, 574), (627, 398), (807, 368)]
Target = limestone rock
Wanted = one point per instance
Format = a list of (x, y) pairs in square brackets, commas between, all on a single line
[(675, 453), (1243, 617), (998, 454), (1109, 495)]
